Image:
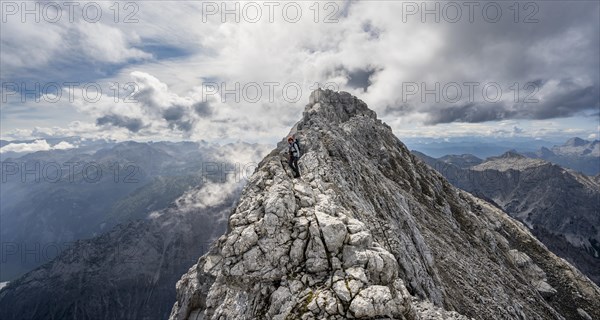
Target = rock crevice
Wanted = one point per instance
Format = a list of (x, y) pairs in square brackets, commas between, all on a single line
[(369, 232)]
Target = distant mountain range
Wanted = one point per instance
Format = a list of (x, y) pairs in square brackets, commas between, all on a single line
[(576, 154), (127, 273), (150, 235), (57, 202), (559, 205), (481, 147)]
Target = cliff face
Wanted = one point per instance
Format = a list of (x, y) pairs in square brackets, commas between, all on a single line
[(370, 231), (559, 205)]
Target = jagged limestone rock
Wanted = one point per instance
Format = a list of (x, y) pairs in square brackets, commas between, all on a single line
[(533, 272), (370, 232), (584, 315)]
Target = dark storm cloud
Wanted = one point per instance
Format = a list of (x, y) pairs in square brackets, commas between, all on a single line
[(176, 118), (470, 112), (360, 78), (174, 113), (202, 108), (147, 97), (132, 124), (565, 103), (559, 52), (567, 99), (161, 107), (397, 110)]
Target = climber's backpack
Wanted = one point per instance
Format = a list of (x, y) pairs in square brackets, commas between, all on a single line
[(297, 142)]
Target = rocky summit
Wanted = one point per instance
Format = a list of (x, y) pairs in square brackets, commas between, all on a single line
[(371, 232)]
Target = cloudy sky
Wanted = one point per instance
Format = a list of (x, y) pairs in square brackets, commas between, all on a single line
[(228, 71)]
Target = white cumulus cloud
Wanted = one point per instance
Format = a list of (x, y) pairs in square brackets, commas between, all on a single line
[(37, 145)]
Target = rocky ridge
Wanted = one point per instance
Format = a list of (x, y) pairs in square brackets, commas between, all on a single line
[(559, 205), (371, 232), (509, 161)]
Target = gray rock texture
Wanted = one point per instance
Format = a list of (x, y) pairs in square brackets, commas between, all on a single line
[(371, 232), (560, 206)]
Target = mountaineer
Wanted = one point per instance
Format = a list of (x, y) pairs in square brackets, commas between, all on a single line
[(294, 155)]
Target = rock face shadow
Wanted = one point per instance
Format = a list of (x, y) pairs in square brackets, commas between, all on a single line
[(371, 232)]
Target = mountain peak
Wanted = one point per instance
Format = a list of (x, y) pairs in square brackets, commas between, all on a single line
[(576, 142), (510, 160), (510, 154), (336, 106), (577, 147), (370, 232), (545, 152)]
